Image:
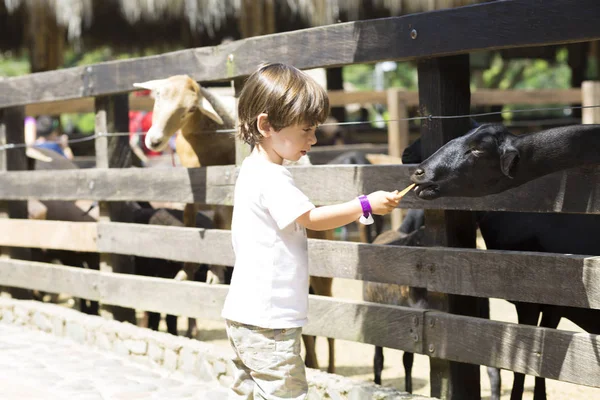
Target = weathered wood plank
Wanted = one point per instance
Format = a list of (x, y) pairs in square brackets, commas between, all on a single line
[(571, 280), (76, 236), (383, 325), (573, 191), (112, 115), (209, 246), (12, 131), (480, 97), (83, 105), (320, 155), (550, 353), (338, 98), (556, 354), (515, 24), (444, 90), (568, 280)]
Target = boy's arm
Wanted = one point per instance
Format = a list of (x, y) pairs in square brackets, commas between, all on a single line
[(334, 216)]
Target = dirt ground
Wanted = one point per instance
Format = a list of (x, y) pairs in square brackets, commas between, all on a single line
[(356, 359)]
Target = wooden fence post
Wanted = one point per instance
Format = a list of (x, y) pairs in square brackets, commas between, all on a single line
[(12, 127), (112, 115), (397, 136), (590, 92), (444, 90)]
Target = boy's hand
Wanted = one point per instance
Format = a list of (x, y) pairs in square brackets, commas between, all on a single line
[(384, 202)]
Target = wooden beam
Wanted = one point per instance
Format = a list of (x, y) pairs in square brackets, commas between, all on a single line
[(555, 354), (372, 323), (591, 97), (550, 353), (573, 191), (76, 236), (83, 105), (444, 90), (320, 155), (569, 280), (12, 130), (340, 98), (398, 137), (112, 115), (480, 97), (516, 23)]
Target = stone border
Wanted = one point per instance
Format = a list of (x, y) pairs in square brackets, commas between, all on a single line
[(178, 354)]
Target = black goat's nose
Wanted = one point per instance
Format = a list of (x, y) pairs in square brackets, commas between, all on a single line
[(419, 171)]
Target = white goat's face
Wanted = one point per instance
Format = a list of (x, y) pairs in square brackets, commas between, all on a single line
[(176, 99)]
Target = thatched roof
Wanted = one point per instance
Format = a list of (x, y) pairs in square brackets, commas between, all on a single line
[(188, 23)]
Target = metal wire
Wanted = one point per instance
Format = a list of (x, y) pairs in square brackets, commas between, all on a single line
[(10, 146)]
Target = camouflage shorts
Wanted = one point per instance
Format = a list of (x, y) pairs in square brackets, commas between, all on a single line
[(268, 363)]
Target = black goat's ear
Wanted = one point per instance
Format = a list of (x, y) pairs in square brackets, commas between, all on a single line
[(509, 161)]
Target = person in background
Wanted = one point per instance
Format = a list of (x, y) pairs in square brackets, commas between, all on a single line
[(139, 124), (48, 136)]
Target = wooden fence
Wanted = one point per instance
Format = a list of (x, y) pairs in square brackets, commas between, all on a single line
[(441, 45)]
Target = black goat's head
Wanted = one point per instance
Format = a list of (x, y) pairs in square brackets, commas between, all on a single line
[(480, 163)]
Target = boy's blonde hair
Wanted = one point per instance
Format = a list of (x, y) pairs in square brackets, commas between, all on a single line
[(286, 94)]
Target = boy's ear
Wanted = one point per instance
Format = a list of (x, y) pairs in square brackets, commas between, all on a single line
[(263, 125)]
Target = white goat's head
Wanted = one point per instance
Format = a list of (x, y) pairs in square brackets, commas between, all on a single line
[(176, 99)]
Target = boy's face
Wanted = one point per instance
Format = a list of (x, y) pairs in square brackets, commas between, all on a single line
[(292, 142)]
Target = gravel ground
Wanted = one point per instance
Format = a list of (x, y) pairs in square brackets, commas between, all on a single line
[(37, 365)]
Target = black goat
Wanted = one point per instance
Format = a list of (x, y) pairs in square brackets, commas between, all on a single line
[(536, 232), (489, 159)]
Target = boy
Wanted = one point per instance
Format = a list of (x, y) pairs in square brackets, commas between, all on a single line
[(279, 110)]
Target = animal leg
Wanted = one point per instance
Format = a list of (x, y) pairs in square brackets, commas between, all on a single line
[(311, 356), (331, 366), (527, 314), (378, 364), (192, 330), (153, 320), (495, 382), (408, 360), (172, 324)]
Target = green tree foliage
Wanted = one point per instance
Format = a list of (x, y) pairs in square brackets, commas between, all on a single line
[(13, 65), (500, 74)]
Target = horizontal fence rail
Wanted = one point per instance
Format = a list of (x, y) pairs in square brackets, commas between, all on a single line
[(494, 25), (568, 280), (480, 97), (567, 356), (572, 191)]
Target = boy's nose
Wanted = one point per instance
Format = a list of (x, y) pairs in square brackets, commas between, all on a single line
[(313, 139)]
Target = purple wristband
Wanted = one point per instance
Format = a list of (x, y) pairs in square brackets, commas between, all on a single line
[(366, 206)]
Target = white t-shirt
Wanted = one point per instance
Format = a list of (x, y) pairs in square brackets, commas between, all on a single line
[(269, 286)]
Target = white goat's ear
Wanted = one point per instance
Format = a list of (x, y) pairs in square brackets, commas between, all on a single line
[(207, 109), (150, 85)]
